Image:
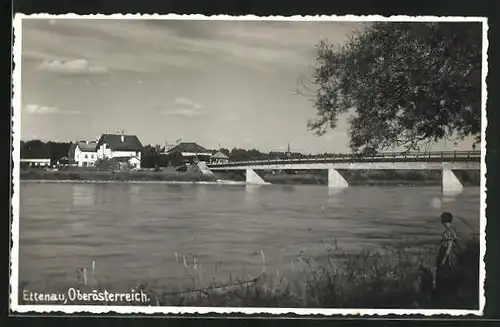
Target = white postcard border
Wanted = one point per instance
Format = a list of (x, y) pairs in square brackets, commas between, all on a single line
[(99, 309)]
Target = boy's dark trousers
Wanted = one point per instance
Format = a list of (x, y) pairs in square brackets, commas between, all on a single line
[(445, 293)]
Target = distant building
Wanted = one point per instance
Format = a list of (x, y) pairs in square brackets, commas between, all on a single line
[(35, 162), (219, 158), (122, 163), (126, 147), (64, 161), (83, 154), (191, 151)]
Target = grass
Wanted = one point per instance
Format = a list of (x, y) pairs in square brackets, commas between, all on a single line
[(97, 175), (360, 177), (357, 177), (396, 277)]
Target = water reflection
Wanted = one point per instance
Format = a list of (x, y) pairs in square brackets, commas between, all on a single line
[(334, 199), (288, 188), (139, 239), (252, 189), (201, 192), (335, 191), (445, 198), (251, 193), (83, 195), (449, 196), (135, 193)]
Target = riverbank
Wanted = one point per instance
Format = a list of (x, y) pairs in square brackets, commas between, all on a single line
[(82, 175), (361, 177), (366, 178), (390, 278), (218, 182)]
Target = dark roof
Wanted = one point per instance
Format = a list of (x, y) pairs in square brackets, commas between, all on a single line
[(87, 147), (220, 155), (114, 141), (189, 147)]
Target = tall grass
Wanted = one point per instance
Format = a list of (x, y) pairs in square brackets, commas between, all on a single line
[(394, 277)]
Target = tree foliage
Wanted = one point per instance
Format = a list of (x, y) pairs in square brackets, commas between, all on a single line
[(175, 159), (402, 83), (36, 149), (153, 157)]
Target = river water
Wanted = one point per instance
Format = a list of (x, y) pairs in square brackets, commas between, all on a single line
[(130, 233)]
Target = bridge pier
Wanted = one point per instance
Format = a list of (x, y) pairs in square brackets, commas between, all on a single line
[(335, 179), (253, 178), (450, 182)]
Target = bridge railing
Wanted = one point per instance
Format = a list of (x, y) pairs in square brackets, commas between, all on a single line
[(437, 156)]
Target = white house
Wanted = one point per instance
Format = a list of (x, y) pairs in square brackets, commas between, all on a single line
[(35, 162), (219, 158), (83, 154), (120, 147)]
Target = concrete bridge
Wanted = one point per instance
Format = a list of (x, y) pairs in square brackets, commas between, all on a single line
[(446, 161)]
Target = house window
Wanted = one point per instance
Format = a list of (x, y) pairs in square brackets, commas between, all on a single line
[(86, 156), (92, 156)]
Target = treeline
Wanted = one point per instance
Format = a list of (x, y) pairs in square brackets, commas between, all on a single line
[(152, 155), (237, 154), (36, 149)]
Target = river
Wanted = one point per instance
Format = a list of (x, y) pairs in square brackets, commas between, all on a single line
[(130, 233)]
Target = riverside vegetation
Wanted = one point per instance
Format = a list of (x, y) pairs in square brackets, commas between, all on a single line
[(397, 277), (93, 175), (359, 177)]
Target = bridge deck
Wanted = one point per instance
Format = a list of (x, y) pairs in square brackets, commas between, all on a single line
[(463, 160)]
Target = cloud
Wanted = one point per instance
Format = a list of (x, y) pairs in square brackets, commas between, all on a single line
[(232, 117), (76, 66), (186, 108), (184, 112), (46, 110), (187, 102), (158, 45)]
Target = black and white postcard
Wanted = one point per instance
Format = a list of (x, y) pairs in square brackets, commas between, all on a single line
[(261, 165)]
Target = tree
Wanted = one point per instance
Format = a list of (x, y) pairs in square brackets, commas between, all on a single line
[(40, 149), (148, 157), (175, 159), (58, 150), (237, 154), (407, 83), (225, 151)]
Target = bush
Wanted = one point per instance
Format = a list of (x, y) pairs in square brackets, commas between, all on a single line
[(96, 175)]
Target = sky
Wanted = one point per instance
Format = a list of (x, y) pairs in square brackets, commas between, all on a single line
[(217, 83)]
